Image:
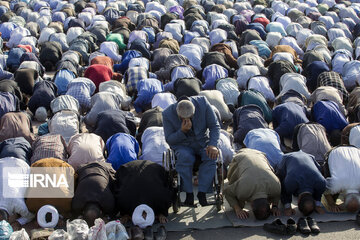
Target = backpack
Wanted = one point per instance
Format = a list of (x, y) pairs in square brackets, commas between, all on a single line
[(66, 123), (311, 138)]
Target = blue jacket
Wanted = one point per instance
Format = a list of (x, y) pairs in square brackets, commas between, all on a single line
[(328, 114), (147, 88), (122, 148), (298, 173), (203, 119), (286, 116)]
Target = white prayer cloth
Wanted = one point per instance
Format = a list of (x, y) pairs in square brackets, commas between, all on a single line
[(139, 220)]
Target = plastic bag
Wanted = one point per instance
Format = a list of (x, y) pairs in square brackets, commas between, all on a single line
[(98, 231), (59, 234), (20, 235), (5, 230), (116, 231), (77, 229)]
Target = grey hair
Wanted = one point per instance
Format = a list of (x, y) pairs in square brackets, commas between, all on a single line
[(185, 109)]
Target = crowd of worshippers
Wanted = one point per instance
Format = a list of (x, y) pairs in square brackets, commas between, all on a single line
[(267, 88)]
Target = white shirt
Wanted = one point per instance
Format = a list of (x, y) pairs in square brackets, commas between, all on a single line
[(163, 100), (354, 136), (194, 53), (344, 166), (15, 205), (153, 144), (111, 49)]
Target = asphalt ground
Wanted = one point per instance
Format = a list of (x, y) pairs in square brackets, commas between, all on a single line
[(331, 230)]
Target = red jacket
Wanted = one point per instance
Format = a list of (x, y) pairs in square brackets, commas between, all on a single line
[(98, 73)]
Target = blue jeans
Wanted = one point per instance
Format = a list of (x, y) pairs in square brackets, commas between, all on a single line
[(185, 159)]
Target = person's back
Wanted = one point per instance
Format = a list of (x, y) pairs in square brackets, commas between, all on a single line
[(300, 176), (122, 148), (63, 203), (85, 148), (286, 116), (343, 166), (110, 122), (16, 124), (153, 144), (142, 182), (12, 198), (267, 141), (16, 147), (251, 173), (8, 102), (300, 163), (44, 93), (251, 179), (99, 177)]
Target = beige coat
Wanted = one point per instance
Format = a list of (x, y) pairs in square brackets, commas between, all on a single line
[(251, 177)]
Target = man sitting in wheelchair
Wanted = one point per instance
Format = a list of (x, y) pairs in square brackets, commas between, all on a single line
[(191, 128)]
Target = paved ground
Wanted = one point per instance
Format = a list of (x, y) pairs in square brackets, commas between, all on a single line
[(334, 230)]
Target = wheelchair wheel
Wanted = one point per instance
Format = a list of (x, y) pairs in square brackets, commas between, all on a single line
[(218, 186), (218, 203), (176, 204)]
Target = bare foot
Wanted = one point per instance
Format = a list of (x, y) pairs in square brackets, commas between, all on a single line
[(124, 219), (162, 219), (61, 223)]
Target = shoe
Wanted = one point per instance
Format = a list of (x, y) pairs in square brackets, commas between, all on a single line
[(161, 233), (275, 227), (291, 226), (358, 218), (313, 225), (148, 233), (189, 201), (202, 199), (302, 226), (137, 233)]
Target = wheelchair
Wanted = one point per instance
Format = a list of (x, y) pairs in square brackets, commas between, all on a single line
[(174, 179)]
